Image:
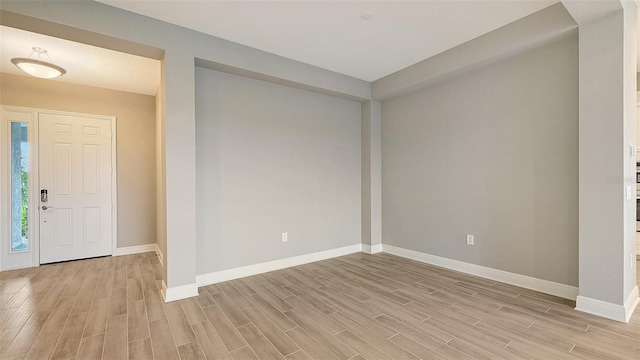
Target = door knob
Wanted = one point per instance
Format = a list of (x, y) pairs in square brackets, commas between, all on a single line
[(45, 207)]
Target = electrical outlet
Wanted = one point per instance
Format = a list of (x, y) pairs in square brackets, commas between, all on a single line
[(285, 237), (470, 239)]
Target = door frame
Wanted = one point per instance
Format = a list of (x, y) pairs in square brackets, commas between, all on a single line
[(34, 192)]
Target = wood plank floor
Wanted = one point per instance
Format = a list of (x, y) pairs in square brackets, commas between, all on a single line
[(354, 307)]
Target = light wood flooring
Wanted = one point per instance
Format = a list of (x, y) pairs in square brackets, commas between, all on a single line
[(354, 307)]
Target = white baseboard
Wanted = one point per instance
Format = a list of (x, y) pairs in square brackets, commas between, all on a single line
[(633, 300), (545, 286), (178, 292), (249, 270), (160, 255), (17, 267), (128, 250), (609, 310), (372, 249), (600, 308)]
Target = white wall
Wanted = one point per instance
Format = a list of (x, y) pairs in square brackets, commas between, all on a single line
[(493, 153), (273, 159)]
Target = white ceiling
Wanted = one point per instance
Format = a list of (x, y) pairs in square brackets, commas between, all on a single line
[(333, 35), (85, 64)]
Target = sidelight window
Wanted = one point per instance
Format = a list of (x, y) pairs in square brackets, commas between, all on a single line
[(19, 186)]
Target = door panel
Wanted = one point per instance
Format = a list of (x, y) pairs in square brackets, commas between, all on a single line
[(62, 169), (91, 170), (75, 169), (63, 228), (91, 226)]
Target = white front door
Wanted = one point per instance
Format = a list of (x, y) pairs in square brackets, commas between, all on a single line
[(75, 170)]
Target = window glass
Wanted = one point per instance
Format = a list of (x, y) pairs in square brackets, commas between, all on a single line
[(19, 187)]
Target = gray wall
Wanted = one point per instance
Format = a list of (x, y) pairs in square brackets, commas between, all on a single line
[(493, 153), (607, 217), (272, 159), (371, 140), (135, 145)]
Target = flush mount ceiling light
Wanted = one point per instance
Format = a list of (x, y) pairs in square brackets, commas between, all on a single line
[(38, 68)]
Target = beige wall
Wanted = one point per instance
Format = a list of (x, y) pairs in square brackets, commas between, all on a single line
[(161, 189), (136, 166), (493, 153)]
